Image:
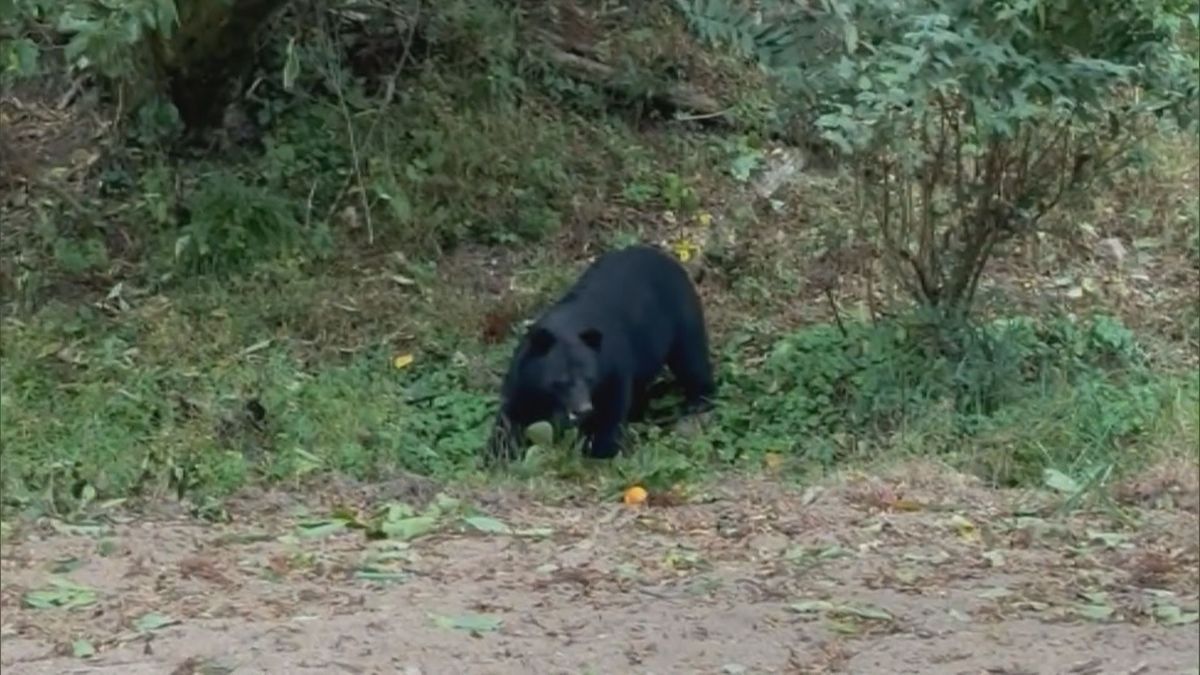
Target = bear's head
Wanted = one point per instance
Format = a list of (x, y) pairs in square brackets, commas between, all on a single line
[(563, 366)]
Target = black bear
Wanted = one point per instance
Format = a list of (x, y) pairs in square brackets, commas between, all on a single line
[(590, 356)]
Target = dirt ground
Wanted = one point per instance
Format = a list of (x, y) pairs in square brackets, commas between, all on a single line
[(918, 572)]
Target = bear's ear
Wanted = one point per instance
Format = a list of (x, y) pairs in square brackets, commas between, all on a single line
[(540, 341), (592, 338)]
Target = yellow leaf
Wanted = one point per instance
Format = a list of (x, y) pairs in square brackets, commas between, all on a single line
[(966, 529), (773, 460), (402, 361), (705, 218), (685, 249)]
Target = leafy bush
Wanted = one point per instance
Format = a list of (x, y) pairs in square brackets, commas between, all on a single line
[(132, 406), (969, 122), (232, 224), (822, 395), (110, 39)]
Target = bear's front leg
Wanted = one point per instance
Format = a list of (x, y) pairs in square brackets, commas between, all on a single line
[(608, 419)]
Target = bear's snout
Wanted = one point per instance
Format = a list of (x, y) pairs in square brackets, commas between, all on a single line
[(580, 404)]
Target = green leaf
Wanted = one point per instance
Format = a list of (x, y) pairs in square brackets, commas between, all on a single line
[(1059, 481), (62, 593), (82, 649), (850, 37), (811, 606), (314, 529), (152, 621), (65, 565), (291, 66), (488, 525), (1170, 615), (540, 433), (1107, 539), (475, 623), (865, 612), (1095, 612), (444, 504), (382, 576), (408, 528)]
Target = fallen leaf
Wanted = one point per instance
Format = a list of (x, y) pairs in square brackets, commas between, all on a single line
[(65, 565), (773, 461), (995, 593), (61, 593), (1059, 481), (475, 623), (312, 529), (402, 361), (1095, 612), (379, 575), (82, 649), (488, 525), (907, 505), (811, 606), (965, 528), (1108, 539), (408, 528), (1170, 615), (843, 627), (864, 612), (152, 621)]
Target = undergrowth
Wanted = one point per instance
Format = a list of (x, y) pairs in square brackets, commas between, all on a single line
[(195, 319), (172, 401)]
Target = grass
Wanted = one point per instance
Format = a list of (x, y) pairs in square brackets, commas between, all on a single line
[(249, 329), (201, 392)]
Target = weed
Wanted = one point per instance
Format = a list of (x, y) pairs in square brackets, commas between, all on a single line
[(233, 224)]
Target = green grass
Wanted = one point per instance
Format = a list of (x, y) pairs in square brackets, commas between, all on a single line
[(267, 290), (210, 389)]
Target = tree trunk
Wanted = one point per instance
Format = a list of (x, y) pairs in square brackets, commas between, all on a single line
[(213, 48)]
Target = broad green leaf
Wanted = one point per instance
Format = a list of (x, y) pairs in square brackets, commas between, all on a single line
[(487, 524), (1059, 481), (475, 623), (540, 433), (864, 612), (1095, 612), (62, 593), (319, 528), (408, 528), (152, 621), (1170, 615), (383, 576), (811, 606), (82, 649), (1108, 539)]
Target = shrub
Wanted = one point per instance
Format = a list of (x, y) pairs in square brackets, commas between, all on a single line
[(233, 224), (968, 122)]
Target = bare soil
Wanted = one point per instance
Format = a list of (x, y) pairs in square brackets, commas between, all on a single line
[(923, 571)]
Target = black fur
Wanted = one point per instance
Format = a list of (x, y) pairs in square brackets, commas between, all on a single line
[(592, 354)]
